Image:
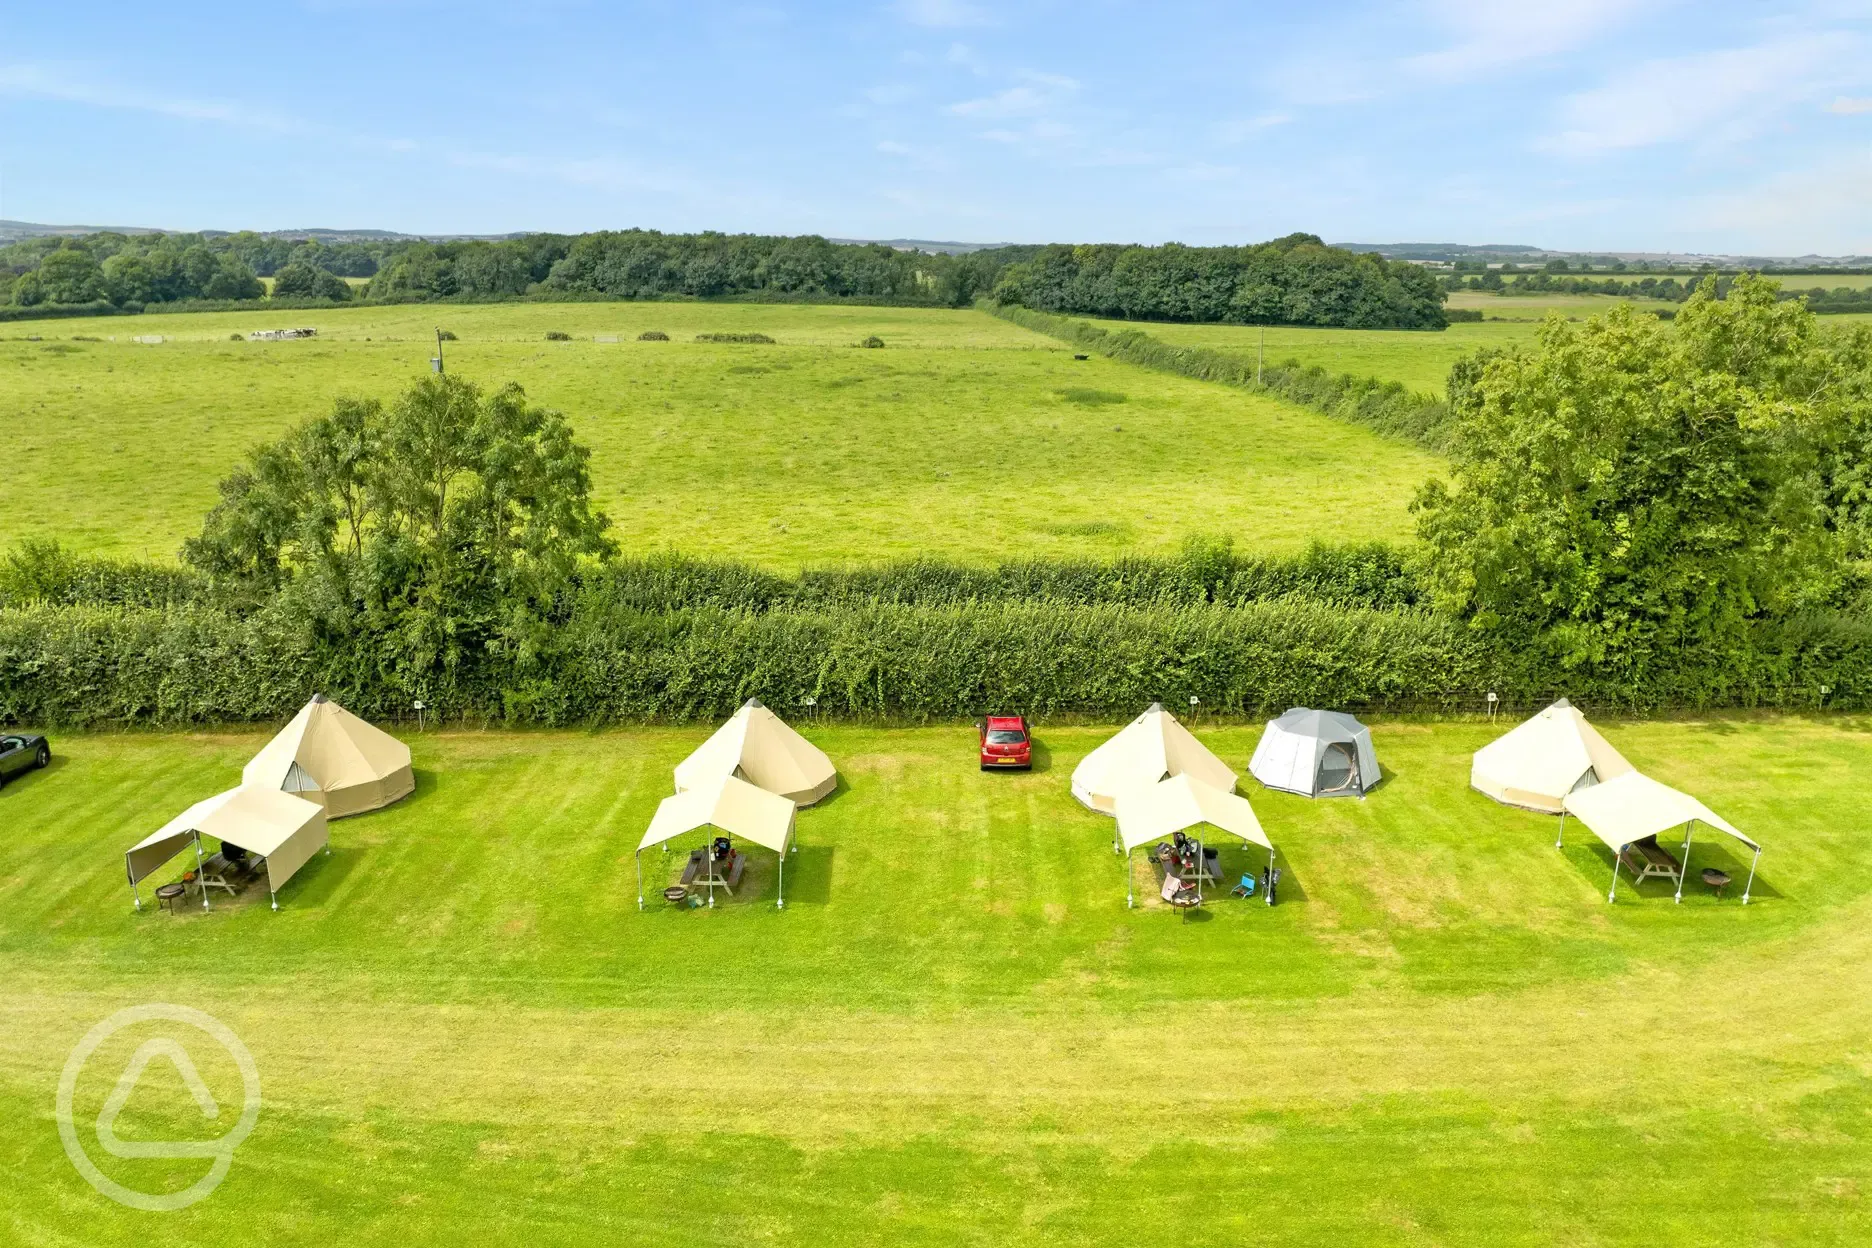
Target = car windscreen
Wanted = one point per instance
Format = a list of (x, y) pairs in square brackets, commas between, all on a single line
[(1005, 736)]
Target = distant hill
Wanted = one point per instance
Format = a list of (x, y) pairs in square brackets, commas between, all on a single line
[(1524, 253), (13, 231), (924, 244)]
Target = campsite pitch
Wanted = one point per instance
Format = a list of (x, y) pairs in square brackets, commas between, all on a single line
[(956, 1032), (964, 437)]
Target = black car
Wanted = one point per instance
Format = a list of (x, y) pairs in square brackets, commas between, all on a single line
[(21, 753)]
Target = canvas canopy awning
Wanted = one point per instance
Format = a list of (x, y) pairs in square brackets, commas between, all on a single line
[(1152, 747), (1632, 807), (761, 748), (1541, 760), (1180, 803), (285, 830), (731, 805), (330, 756), (1158, 812)]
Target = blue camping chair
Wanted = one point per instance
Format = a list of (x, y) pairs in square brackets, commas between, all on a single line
[(1245, 888)]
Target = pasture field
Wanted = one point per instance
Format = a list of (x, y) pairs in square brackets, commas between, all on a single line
[(966, 436), (1420, 359), (1824, 281), (956, 1032)]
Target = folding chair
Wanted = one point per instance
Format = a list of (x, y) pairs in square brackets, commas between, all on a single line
[(1245, 888)]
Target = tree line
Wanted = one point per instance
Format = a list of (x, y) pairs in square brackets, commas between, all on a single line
[(1670, 289), (1296, 280)]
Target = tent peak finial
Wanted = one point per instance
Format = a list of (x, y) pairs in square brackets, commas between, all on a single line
[(1563, 702), (319, 699), (753, 704), (1155, 706)]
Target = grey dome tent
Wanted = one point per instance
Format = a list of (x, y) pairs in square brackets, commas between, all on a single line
[(1316, 754)]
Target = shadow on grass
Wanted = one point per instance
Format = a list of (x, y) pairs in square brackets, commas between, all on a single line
[(1594, 863), (839, 789), (26, 781), (809, 875), (426, 782), (314, 883), (1231, 865)]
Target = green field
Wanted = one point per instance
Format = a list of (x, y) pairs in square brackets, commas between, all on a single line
[(956, 1032), (966, 436), (1420, 359)]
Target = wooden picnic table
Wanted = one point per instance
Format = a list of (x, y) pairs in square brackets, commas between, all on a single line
[(702, 870), (220, 871), (1209, 867), (1648, 860)]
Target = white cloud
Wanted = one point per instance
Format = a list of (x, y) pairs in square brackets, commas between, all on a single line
[(1721, 95), (1013, 102), (70, 85), (1820, 209), (1847, 106), (1039, 93), (1241, 129), (67, 85), (943, 14), (1494, 33)]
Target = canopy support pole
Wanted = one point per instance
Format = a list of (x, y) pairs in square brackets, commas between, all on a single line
[(1683, 864), (640, 879), (1130, 901), (1202, 866), (275, 897), (780, 902), (1559, 840), (1615, 865), (1751, 879), (1270, 888), (199, 881), (136, 896)]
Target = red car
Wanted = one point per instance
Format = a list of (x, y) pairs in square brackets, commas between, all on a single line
[(1005, 743)]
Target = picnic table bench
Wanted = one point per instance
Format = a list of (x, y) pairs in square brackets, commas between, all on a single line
[(1209, 870), (1647, 860), (702, 871), (220, 871)]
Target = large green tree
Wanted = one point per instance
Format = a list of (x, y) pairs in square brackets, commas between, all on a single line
[(1634, 489), (447, 526), (71, 275)]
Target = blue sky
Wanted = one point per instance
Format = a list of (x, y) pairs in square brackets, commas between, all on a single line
[(1627, 124)]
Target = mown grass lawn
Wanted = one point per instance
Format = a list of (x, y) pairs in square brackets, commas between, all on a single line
[(965, 436), (955, 1032)]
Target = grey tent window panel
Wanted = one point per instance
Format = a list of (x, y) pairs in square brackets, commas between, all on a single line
[(1587, 779), (1338, 769), (298, 781)]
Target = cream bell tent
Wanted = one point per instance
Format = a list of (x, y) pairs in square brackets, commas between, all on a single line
[(1152, 747), (330, 756), (1634, 808), (731, 805), (758, 746), (1538, 762), (1159, 811), (1316, 754), (283, 829)]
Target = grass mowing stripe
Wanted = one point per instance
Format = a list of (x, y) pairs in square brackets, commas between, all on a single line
[(1443, 1035)]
